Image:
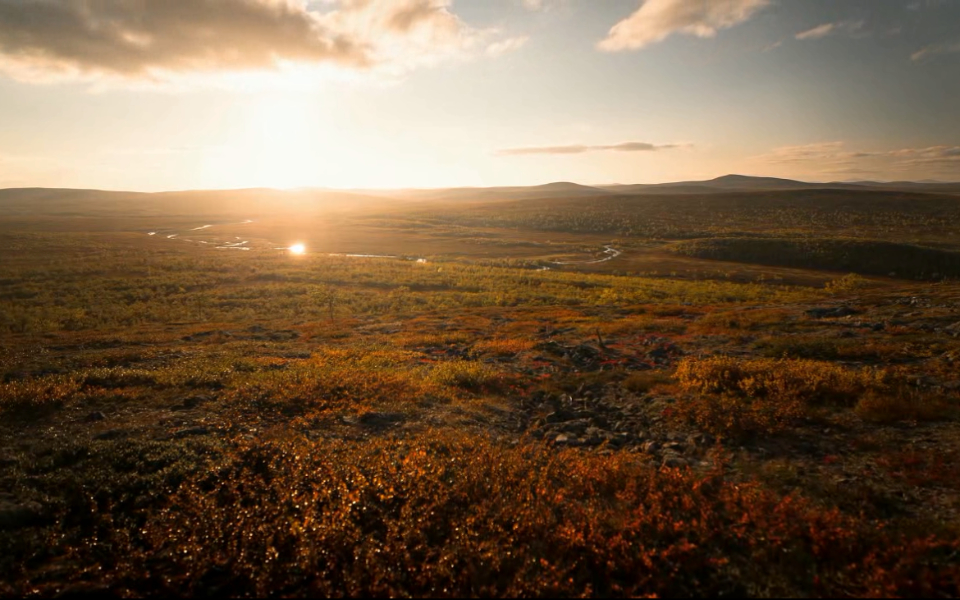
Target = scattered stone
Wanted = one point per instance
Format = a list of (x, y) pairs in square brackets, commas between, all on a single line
[(191, 432), (16, 515), (7, 459), (824, 313), (195, 401), (86, 589), (651, 447), (95, 416), (111, 434), (380, 418), (674, 462)]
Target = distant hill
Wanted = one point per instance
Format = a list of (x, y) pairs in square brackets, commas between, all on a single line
[(253, 202), (927, 186), (560, 189), (745, 183), (262, 201), (727, 183)]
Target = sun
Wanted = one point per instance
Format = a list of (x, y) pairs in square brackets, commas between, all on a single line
[(297, 249)]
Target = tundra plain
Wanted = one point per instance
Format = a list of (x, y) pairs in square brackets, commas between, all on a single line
[(738, 387)]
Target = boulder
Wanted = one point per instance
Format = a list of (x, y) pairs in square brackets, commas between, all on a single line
[(16, 515)]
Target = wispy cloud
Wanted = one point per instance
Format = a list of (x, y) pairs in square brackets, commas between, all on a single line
[(151, 39), (657, 19), (581, 148), (507, 45), (822, 31), (934, 50), (833, 157)]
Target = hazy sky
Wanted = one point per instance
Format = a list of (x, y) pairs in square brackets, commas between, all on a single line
[(177, 94)]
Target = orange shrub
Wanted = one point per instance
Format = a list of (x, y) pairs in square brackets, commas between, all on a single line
[(37, 394), (455, 515), (503, 347), (903, 404), (734, 397)]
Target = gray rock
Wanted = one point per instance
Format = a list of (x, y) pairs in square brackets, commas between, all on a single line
[(7, 459), (380, 418), (651, 447), (824, 313), (195, 401), (191, 432), (110, 434), (95, 416), (86, 589), (674, 462), (15, 515)]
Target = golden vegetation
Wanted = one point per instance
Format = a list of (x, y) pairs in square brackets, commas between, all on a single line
[(182, 422)]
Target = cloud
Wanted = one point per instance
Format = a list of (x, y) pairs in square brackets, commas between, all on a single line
[(657, 19), (582, 149), (933, 155), (935, 50), (507, 45), (822, 31), (536, 5), (817, 32), (833, 157), (150, 39)]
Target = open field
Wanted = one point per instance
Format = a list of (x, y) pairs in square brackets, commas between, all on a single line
[(572, 396)]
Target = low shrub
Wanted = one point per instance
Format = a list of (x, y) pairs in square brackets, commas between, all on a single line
[(455, 515), (735, 398), (40, 394), (903, 404), (465, 374)]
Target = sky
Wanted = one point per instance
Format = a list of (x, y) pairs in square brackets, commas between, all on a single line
[(155, 95)]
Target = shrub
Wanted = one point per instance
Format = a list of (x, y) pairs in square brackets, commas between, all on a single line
[(733, 397), (37, 394), (902, 404), (503, 347), (457, 515), (466, 374), (642, 382)]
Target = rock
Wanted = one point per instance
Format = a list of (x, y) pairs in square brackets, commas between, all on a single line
[(110, 434), (651, 447), (191, 432), (564, 439), (86, 589), (577, 427), (380, 418), (674, 462), (195, 401), (673, 447), (15, 515), (823, 313), (95, 416)]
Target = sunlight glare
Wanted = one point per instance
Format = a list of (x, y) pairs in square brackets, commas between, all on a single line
[(297, 249)]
